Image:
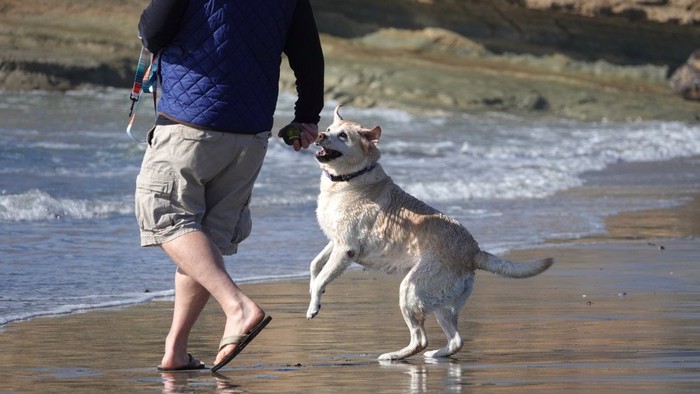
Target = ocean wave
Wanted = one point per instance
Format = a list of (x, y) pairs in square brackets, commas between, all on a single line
[(37, 205), (84, 307), (420, 149), (532, 162), (532, 183)]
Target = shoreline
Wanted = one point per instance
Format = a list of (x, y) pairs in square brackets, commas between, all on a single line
[(634, 225), (617, 312)]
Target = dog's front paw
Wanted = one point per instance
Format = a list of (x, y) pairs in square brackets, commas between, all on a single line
[(313, 311)]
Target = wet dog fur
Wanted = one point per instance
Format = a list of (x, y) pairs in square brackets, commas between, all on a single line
[(371, 221)]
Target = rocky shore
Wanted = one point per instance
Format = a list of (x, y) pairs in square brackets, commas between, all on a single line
[(590, 60)]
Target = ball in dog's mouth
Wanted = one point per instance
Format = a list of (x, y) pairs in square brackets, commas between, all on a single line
[(326, 155)]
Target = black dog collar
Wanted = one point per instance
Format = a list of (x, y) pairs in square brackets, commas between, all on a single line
[(347, 177)]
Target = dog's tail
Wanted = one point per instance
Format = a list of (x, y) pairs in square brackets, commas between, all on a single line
[(488, 262)]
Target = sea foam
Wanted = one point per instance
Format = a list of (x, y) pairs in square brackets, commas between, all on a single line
[(34, 205)]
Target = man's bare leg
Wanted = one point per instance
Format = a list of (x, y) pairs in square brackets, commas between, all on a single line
[(200, 262), (190, 299)]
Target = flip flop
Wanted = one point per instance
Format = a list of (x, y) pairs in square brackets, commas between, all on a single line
[(191, 365), (241, 341)]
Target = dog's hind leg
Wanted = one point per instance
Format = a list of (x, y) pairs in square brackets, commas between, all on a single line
[(414, 316), (336, 264), (447, 318)]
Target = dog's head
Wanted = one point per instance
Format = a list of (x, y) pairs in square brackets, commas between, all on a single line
[(347, 146)]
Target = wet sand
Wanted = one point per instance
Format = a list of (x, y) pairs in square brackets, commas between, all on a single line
[(612, 315)]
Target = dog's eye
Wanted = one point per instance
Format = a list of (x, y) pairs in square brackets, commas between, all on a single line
[(343, 136)]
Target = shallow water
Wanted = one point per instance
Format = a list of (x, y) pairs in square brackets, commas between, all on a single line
[(69, 241)]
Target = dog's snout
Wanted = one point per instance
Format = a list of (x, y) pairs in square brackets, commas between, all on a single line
[(321, 137)]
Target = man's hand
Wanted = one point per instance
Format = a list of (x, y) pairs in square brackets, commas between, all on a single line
[(299, 135)]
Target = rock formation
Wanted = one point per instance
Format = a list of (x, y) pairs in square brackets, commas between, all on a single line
[(587, 59), (686, 80)]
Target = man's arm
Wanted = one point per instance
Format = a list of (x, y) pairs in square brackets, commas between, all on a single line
[(160, 22), (303, 49)]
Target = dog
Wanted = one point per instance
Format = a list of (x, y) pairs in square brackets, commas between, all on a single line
[(371, 221)]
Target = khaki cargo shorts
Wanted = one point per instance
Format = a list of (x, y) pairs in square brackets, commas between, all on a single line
[(197, 180)]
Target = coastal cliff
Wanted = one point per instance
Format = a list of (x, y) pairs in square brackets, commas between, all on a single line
[(590, 59)]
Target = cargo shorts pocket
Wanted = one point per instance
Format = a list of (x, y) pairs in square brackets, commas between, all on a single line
[(153, 200), (244, 226)]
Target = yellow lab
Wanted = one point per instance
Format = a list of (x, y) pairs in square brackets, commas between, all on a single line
[(373, 222)]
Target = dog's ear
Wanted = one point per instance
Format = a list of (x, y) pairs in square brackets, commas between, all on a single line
[(373, 135), (336, 115)]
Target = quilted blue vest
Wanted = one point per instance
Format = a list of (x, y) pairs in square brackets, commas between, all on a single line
[(221, 71)]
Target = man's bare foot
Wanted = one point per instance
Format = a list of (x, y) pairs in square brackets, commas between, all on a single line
[(180, 361), (240, 325)]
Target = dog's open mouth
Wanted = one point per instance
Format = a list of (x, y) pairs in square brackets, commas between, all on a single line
[(326, 155)]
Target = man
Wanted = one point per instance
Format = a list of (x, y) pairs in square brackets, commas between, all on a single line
[(219, 72)]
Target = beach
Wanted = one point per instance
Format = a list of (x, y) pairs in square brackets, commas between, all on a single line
[(616, 313), (537, 127)]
